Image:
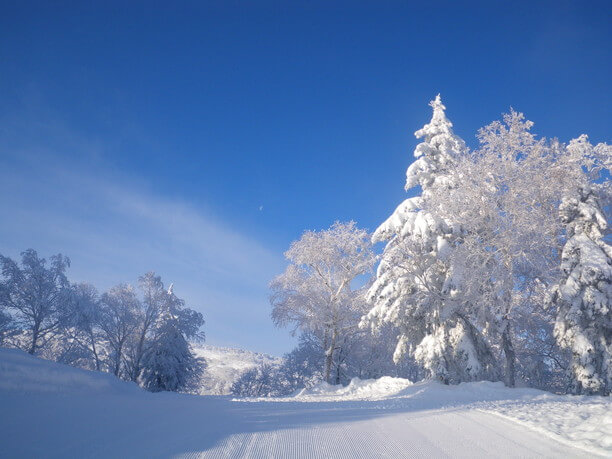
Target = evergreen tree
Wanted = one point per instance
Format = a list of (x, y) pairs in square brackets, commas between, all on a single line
[(168, 363), (414, 287), (584, 296)]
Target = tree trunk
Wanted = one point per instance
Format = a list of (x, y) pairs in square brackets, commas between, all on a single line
[(118, 360), (483, 352), (510, 356), (95, 352), (329, 355), (136, 370), (35, 332)]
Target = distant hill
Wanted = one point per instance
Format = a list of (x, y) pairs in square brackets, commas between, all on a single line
[(226, 365)]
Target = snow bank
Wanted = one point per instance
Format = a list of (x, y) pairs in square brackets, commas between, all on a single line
[(25, 373), (367, 389), (584, 422)]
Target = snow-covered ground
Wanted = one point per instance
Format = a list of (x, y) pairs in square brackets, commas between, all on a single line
[(225, 365), (51, 410)]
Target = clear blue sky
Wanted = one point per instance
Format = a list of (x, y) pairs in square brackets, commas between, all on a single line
[(198, 139)]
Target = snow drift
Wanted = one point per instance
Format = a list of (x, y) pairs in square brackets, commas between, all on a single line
[(357, 389), (23, 372)]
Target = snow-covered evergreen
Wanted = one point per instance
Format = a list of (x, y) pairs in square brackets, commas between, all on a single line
[(414, 288), (584, 295), (168, 364)]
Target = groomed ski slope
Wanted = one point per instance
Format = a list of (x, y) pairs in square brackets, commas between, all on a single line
[(51, 410)]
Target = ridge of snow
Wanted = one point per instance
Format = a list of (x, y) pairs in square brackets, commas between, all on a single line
[(22, 372), (357, 389)]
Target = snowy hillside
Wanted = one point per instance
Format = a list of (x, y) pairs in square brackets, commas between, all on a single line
[(77, 413), (225, 365), (22, 372)]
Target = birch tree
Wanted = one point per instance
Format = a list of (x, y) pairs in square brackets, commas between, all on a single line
[(119, 309), (36, 294), (315, 295)]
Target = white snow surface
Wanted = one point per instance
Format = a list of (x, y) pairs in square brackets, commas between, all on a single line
[(225, 365), (24, 373), (52, 410), (368, 389)]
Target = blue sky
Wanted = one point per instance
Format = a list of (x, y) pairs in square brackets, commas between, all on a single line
[(199, 139)]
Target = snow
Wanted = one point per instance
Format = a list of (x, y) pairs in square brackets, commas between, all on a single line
[(52, 410), (573, 420), (369, 389), (24, 373), (585, 422), (225, 365)]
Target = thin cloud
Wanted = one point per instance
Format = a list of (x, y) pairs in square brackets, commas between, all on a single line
[(114, 232)]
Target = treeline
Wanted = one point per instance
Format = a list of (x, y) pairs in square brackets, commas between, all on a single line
[(498, 269), (139, 334)]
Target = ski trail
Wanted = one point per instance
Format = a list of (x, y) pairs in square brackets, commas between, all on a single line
[(458, 433)]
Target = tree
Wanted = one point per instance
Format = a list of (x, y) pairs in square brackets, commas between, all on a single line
[(36, 294), (6, 326), (154, 297), (415, 288), (119, 308), (168, 363), (506, 207), (260, 381), (506, 196), (584, 294), (82, 323), (314, 293)]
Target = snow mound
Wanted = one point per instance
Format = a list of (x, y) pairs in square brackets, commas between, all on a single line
[(357, 389), (22, 372), (584, 422), (225, 365)]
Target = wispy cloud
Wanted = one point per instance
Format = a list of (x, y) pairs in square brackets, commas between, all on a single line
[(114, 231)]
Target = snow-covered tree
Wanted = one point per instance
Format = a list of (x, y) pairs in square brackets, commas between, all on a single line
[(314, 294), (415, 288), (261, 381), (584, 295), (119, 308), (35, 294), (6, 327), (154, 298), (168, 363), (81, 327), (506, 207), (300, 368), (505, 196)]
